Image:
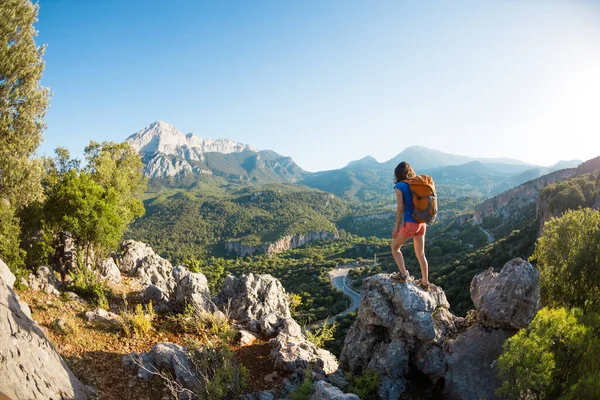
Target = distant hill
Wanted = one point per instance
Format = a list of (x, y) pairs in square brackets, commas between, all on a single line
[(177, 160)]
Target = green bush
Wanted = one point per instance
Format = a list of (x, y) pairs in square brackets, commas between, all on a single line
[(303, 391), (554, 358), (86, 284), (365, 385), (322, 334), (568, 255), (138, 322)]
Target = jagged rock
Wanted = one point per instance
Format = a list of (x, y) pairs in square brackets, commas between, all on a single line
[(132, 255), (293, 353), (290, 327), (400, 327), (5, 275), (155, 270), (339, 379), (471, 360), (393, 320), (326, 391), (245, 337), (44, 280), (160, 300), (108, 271), (191, 288), (257, 301), (509, 299), (164, 356), (100, 315), (30, 367)]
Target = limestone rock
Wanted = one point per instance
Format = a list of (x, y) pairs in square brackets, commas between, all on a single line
[(108, 271), (257, 301), (326, 391), (132, 255), (509, 299), (100, 315), (44, 280), (30, 367), (292, 354), (471, 360), (290, 327), (245, 337), (191, 288), (164, 356), (5, 275), (155, 270)]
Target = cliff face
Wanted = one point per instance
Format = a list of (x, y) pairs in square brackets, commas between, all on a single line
[(513, 201), (279, 246), (402, 330)]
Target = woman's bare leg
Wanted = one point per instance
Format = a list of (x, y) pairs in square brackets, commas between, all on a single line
[(398, 257), (419, 242)]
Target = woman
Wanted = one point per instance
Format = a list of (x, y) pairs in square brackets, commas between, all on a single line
[(407, 227)]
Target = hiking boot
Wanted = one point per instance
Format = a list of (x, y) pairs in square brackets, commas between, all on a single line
[(424, 286), (400, 278)]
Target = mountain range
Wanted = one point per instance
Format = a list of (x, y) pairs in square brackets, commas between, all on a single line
[(174, 159)]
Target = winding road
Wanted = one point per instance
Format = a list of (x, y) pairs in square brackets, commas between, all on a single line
[(338, 279)]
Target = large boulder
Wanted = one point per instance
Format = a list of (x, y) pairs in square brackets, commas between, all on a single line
[(155, 270), (30, 367), (257, 301), (44, 280), (108, 271), (326, 391), (132, 254), (165, 357), (191, 288), (296, 353), (509, 299), (401, 329), (471, 363)]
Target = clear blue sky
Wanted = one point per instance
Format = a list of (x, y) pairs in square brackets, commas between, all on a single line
[(326, 82)]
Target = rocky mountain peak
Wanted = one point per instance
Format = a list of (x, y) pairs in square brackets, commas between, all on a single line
[(161, 137)]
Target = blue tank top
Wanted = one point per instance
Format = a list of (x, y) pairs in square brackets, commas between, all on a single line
[(408, 203)]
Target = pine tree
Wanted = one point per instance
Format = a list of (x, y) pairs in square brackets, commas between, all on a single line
[(23, 103)]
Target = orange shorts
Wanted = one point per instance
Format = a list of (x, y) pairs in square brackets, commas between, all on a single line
[(411, 229)]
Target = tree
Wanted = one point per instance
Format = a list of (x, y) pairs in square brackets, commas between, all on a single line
[(23, 104), (568, 255)]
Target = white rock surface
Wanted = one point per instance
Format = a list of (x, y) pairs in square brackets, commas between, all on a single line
[(326, 391)]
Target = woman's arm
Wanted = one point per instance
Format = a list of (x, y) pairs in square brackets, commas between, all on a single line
[(399, 211)]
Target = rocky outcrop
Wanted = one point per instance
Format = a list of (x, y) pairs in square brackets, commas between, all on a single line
[(132, 255), (509, 299), (279, 246), (401, 329), (296, 353), (108, 271), (191, 288), (256, 301), (44, 280), (326, 391), (164, 357), (30, 367)]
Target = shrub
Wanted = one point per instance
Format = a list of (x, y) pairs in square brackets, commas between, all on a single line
[(137, 322), (365, 385), (86, 284), (322, 334), (555, 357), (303, 391), (200, 322), (65, 326), (220, 374)]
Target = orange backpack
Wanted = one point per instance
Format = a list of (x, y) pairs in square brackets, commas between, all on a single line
[(424, 198)]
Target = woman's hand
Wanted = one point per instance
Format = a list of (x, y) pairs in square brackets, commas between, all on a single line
[(395, 231)]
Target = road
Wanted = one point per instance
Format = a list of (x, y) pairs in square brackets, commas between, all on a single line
[(338, 279), (490, 237)]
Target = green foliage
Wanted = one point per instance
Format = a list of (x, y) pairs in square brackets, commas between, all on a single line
[(10, 252), (554, 358), (215, 274), (212, 326), (23, 104), (568, 255), (322, 334), (221, 376), (86, 284), (342, 324), (138, 322), (66, 326), (365, 385), (303, 391)]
